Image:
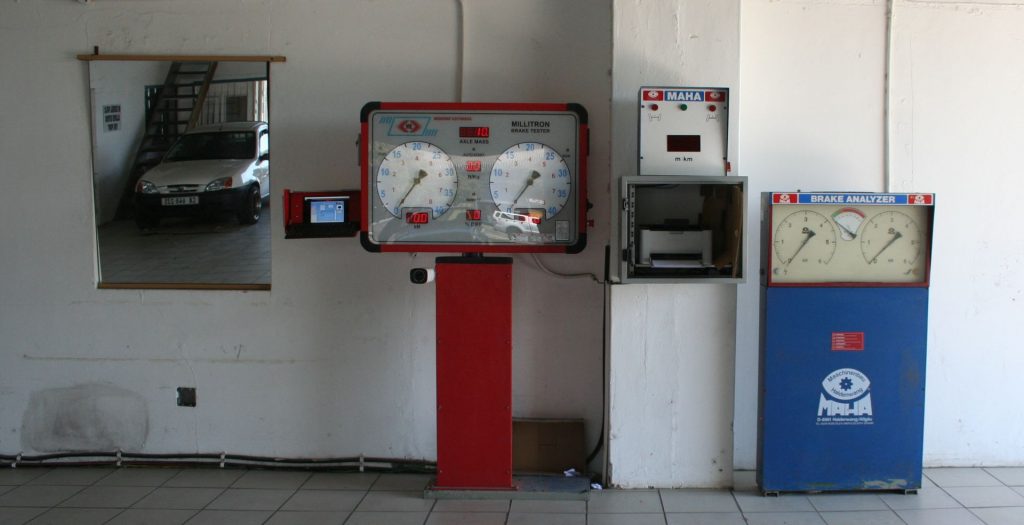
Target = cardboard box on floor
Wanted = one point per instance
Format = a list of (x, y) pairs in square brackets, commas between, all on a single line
[(547, 445)]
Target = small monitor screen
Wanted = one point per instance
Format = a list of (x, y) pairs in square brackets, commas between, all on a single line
[(327, 211), (684, 143)]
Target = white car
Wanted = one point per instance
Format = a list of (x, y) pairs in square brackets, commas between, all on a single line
[(208, 170)]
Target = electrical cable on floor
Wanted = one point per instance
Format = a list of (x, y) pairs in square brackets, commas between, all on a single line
[(222, 460), (604, 378)]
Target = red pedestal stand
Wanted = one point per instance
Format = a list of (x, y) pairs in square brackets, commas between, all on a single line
[(474, 373)]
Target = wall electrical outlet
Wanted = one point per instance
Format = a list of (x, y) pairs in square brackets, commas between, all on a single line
[(186, 396)]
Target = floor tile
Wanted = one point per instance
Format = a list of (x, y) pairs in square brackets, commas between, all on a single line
[(271, 479), (401, 482), (405, 501), (38, 495), (107, 497), (1018, 490), (471, 505), (961, 477), (65, 516), (626, 519), (927, 498), (7, 488), (1007, 475), (72, 476), (624, 502), (229, 517), (18, 476), (152, 517), (179, 498), (341, 481), (466, 518), (18, 515), (324, 500), (783, 518), (845, 502), (545, 519), (698, 500), (864, 517), (138, 477), (939, 517), (755, 502), (204, 478), (706, 518), (285, 517), (386, 518), (1001, 515), (250, 499), (986, 496), (548, 506)]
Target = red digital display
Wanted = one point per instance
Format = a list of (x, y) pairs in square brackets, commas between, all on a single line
[(419, 217), (472, 215), (474, 165), (479, 132)]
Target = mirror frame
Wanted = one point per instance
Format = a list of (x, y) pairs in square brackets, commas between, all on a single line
[(96, 56)]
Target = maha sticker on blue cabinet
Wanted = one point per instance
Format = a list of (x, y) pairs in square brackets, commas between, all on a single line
[(844, 313)]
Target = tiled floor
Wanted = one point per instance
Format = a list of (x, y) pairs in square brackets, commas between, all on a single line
[(953, 496), (201, 250)]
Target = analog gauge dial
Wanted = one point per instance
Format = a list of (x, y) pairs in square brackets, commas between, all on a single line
[(417, 175), (848, 220), (891, 239), (803, 239), (530, 176)]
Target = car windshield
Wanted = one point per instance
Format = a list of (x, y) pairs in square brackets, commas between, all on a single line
[(213, 146)]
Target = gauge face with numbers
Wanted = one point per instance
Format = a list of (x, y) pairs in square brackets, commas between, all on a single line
[(417, 175), (530, 176), (893, 240), (803, 238)]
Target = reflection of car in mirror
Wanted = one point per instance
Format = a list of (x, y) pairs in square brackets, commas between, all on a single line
[(514, 223), (208, 170)]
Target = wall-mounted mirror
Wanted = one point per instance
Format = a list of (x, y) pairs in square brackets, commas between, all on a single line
[(181, 172)]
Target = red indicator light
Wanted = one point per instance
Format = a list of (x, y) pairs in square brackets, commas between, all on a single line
[(478, 132), (712, 108), (472, 215), (535, 220), (420, 217), (474, 165), (654, 107)]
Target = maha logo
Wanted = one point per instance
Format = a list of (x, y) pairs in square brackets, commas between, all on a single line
[(845, 399)]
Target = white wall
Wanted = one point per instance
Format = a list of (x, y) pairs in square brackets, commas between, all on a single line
[(813, 76), (672, 345), (338, 358)]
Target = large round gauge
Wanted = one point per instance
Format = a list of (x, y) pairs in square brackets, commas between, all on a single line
[(892, 239), (530, 176), (804, 238), (417, 175)]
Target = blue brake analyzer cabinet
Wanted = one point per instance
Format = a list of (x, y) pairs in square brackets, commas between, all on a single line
[(844, 322)]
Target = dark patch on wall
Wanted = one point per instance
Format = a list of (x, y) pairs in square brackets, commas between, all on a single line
[(85, 417)]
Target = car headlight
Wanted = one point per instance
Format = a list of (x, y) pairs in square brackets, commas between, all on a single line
[(144, 186), (219, 184)]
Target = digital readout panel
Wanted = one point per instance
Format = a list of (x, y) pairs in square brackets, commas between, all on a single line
[(447, 177)]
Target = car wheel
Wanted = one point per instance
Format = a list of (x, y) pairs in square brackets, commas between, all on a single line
[(145, 222), (251, 208)]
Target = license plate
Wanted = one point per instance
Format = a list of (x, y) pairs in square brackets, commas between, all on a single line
[(179, 201)]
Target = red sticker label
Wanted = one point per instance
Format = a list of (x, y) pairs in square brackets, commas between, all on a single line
[(919, 199), (652, 94), (784, 198), (847, 341)]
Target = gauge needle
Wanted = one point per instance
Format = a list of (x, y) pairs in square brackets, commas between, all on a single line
[(810, 233), (847, 230), (534, 175), (415, 182), (895, 235)]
